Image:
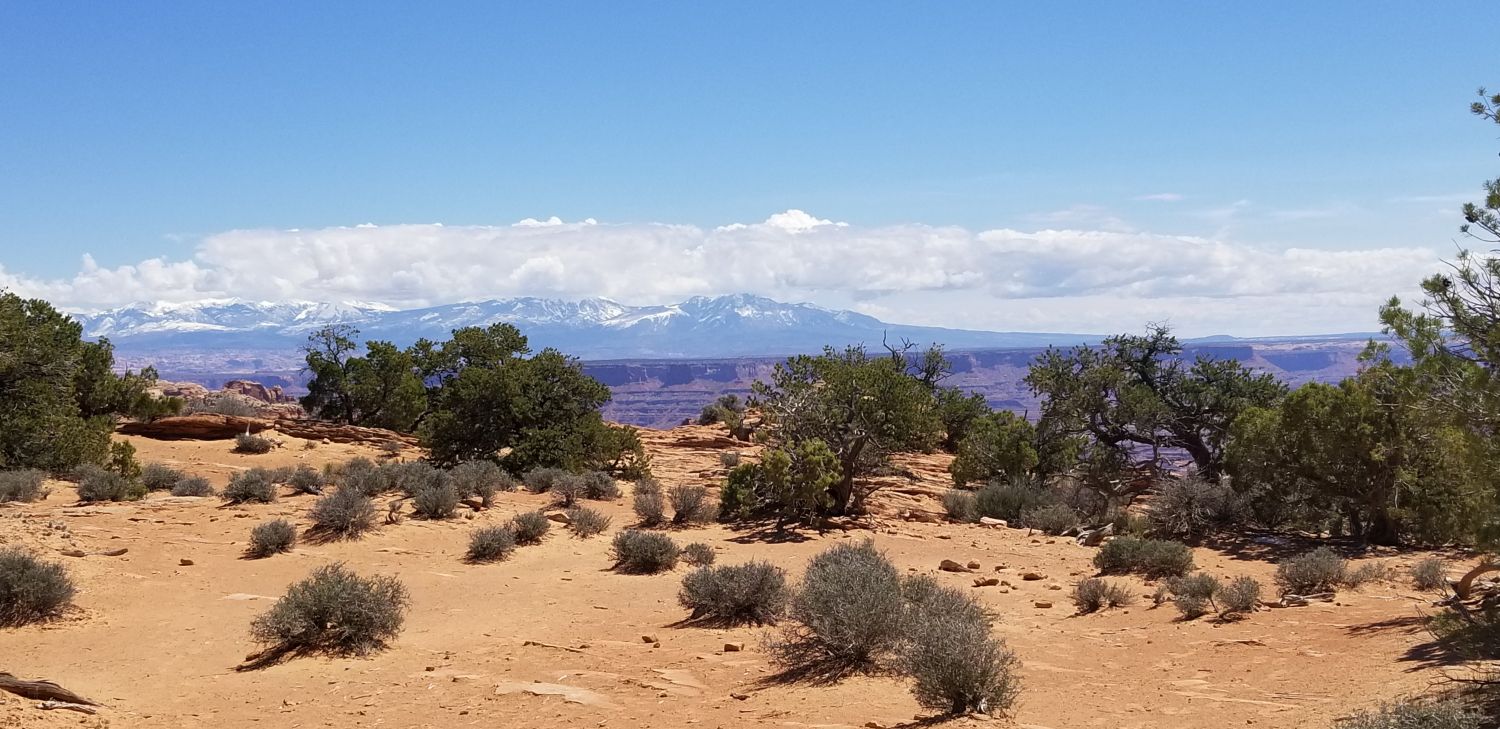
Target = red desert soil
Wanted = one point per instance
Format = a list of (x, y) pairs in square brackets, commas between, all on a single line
[(553, 638)]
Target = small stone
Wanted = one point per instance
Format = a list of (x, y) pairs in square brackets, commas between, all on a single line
[(430, 669), (559, 517), (648, 639), (1043, 604), (185, 562), (1054, 586), (733, 647), (949, 565), (739, 697), (1033, 576), (986, 581), (993, 522), (974, 564)]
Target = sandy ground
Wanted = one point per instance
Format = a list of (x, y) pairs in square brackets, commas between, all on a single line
[(553, 638)]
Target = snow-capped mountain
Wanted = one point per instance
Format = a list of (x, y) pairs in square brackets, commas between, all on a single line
[(723, 326)]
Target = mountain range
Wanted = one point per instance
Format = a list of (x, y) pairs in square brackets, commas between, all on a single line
[(724, 326)]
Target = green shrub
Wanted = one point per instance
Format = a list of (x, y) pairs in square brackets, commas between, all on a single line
[(334, 610), (1093, 594), (846, 613), (97, 484), (567, 491), (956, 663), (530, 527), (307, 480), (1427, 574), (410, 477), (1239, 597), (1051, 519), (343, 514), (586, 522), (437, 499), (691, 505), (491, 544), (754, 593), (1194, 594), (481, 479), (1367, 572), (31, 590), (271, 537), (1008, 500), (193, 486), (24, 485), (698, 554), (252, 443), (643, 553), (362, 475), (256, 484), (160, 477), (1440, 714), (962, 506), (729, 459), (1321, 570), (542, 480), (1153, 558), (650, 506), (1190, 509), (600, 486)]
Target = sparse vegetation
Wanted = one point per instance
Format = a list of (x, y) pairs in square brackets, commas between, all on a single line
[(98, 484), (481, 479), (846, 613), (698, 554), (599, 486), (962, 506), (643, 553), (754, 593), (567, 491), (1191, 508), (193, 486), (1200, 593), (159, 477), (1238, 597), (256, 484), (1426, 574), (1152, 558), (691, 505), (334, 610), (271, 537), (23, 485), (729, 459), (586, 522), (542, 480), (530, 527), (956, 663), (649, 504), (252, 443), (491, 544), (1417, 714), (31, 590), (307, 480), (344, 514), (1011, 498), (1093, 594), (1321, 570), (1051, 519), (436, 499), (1193, 594)]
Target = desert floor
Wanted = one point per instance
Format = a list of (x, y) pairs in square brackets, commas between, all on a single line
[(552, 637)]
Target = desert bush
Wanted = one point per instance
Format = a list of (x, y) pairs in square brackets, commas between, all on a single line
[(98, 484), (252, 443), (160, 477), (1238, 597), (409, 477), (754, 593), (1426, 574), (962, 506), (271, 537), (256, 484), (1367, 572), (846, 613), (600, 486), (1152, 558), (480, 479), (193, 486), (307, 480), (1050, 519), (698, 554), (729, 459), (491, 544), (1093, 594), (344, 514), (586, 522), (1010, 499), (530, 527), (956, 663), (643, 553), (22, 485), (334, 610), (1191, 508), (567, 491), (1321, 570), (542, 480), (1194, 594), (437, 499), (691, 505), (31, 590), (650, 507), (1439, 714)]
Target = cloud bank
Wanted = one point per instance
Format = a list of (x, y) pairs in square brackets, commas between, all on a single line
[(1107, 279)]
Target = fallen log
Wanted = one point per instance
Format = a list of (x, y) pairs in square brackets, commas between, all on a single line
[(42, 690), (63, 705)]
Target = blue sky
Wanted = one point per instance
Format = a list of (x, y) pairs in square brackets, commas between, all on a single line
[(140, 131)]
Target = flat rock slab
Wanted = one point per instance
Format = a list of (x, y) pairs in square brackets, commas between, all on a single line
[(570, 694)]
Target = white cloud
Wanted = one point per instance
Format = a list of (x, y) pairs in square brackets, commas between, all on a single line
[(1160, 197), (1065, 279)]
